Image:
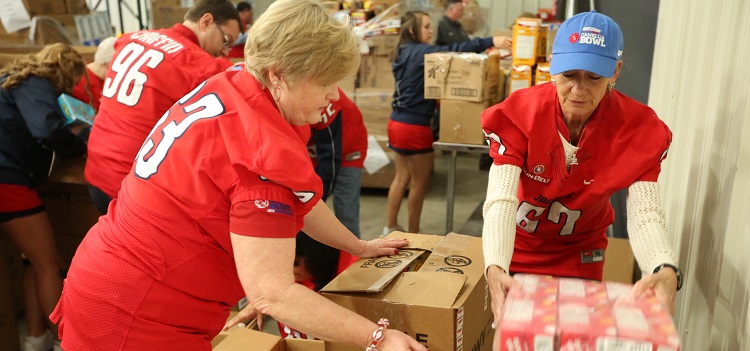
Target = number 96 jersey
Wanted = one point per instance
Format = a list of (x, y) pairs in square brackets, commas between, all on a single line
[(564, 210)]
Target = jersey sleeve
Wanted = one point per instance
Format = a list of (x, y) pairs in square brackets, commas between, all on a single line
[(266, 210), (659, 141), (508, 144)]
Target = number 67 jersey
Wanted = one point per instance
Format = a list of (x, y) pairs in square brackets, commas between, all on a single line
[(564, 212), (150, 70)]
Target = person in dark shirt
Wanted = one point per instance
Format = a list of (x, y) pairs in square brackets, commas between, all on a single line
[(450, 30), (409, 132), (32, 133)]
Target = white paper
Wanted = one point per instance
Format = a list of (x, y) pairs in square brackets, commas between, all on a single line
[(376, 157), (14, 15)]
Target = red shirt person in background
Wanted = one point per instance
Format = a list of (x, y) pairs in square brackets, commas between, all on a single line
[(150, 71), (89, 88), (338, 148)]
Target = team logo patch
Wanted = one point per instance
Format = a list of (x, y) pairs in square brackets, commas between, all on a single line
[(592, 256), (538, 169), (274, 207), (590, 36)]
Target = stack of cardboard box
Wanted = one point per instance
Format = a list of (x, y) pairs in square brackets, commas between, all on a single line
[(61, 10), (467, 84), (532, 45), (165, 13)]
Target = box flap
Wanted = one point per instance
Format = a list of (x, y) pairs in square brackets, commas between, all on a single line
[(242, 338), (418, 241), (461, 254), (373, 274), (304, 345), (432, 289)]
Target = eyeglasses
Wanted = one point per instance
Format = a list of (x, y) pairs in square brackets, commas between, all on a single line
[(227, 42)]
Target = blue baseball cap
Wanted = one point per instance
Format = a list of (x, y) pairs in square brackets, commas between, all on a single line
[(588, 41)]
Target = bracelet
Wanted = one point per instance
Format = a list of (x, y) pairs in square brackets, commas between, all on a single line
[(378, 335), (675, 269)]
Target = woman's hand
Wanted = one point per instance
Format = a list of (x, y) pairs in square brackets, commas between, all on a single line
[(395, 340), (500, 282), (247, 314), (504, 43), (664, 284), (380, 247)]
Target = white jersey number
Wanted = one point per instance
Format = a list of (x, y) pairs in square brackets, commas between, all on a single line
[(128, 81), (529, 222), (208, 106)]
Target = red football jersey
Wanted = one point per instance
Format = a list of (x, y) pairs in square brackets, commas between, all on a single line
[(563, 214), (353, 132), (221, 160), (95, 87), (150, 70)]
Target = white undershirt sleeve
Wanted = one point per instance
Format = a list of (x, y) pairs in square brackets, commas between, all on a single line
[(499, 231), (647, 227)]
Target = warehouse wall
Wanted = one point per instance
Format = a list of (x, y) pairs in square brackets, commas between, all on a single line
[(700, 88)]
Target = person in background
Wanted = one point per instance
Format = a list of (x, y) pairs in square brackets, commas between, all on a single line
[(245, 9), (339, 147), (450, 30), (89, 87), (409, 131), (210, 210), (560, 150), (32, 133), (150, 71)]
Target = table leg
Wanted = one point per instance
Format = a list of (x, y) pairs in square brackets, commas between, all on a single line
[(450, 193)]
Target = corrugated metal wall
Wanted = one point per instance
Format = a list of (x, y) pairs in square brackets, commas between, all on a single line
[(700, 87), (503, 13)]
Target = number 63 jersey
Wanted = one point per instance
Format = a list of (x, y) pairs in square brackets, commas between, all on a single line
[(564, 212), (150, 70)]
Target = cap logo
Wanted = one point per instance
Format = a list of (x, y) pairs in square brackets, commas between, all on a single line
[(574, 37), (591, 36)]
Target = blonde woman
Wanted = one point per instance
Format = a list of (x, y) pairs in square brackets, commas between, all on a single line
[(210, 210), (31, 133)]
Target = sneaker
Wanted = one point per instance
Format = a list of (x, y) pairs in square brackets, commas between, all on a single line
[(39, 343), (388, 230)]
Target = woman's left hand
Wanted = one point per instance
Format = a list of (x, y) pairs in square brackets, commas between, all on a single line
[(664, 284), (245, 316), (380, 247)]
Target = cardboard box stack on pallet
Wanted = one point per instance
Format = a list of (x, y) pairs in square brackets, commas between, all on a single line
[(467, 84), (375, 84), (532, 45), (62, 11)]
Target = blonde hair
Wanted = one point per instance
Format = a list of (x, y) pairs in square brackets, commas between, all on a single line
[(300, 40), (58, 63), (104, 51)]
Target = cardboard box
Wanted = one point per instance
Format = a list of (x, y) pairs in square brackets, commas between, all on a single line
[(166, 16), (434, 290), (460, 121), (525, 40), (529, 320), (376, 72), (77, 7), (245, 339), (546, 38), (47, 7), (462, 76), (383, 45), (383, 177), (347, 86), (619, 262), (375, 105)]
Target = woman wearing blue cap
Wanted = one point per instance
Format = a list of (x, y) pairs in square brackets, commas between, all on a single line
[(560, 150)]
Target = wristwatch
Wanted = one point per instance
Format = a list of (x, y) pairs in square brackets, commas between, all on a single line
[(675, 269)]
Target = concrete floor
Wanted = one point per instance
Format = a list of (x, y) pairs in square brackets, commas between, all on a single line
[(470, 191)]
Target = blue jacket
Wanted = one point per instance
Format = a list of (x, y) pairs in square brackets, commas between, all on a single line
[(409, 104), (31, 130)]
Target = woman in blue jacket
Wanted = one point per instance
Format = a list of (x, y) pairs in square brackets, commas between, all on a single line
[(32, 133), (409, 132)]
